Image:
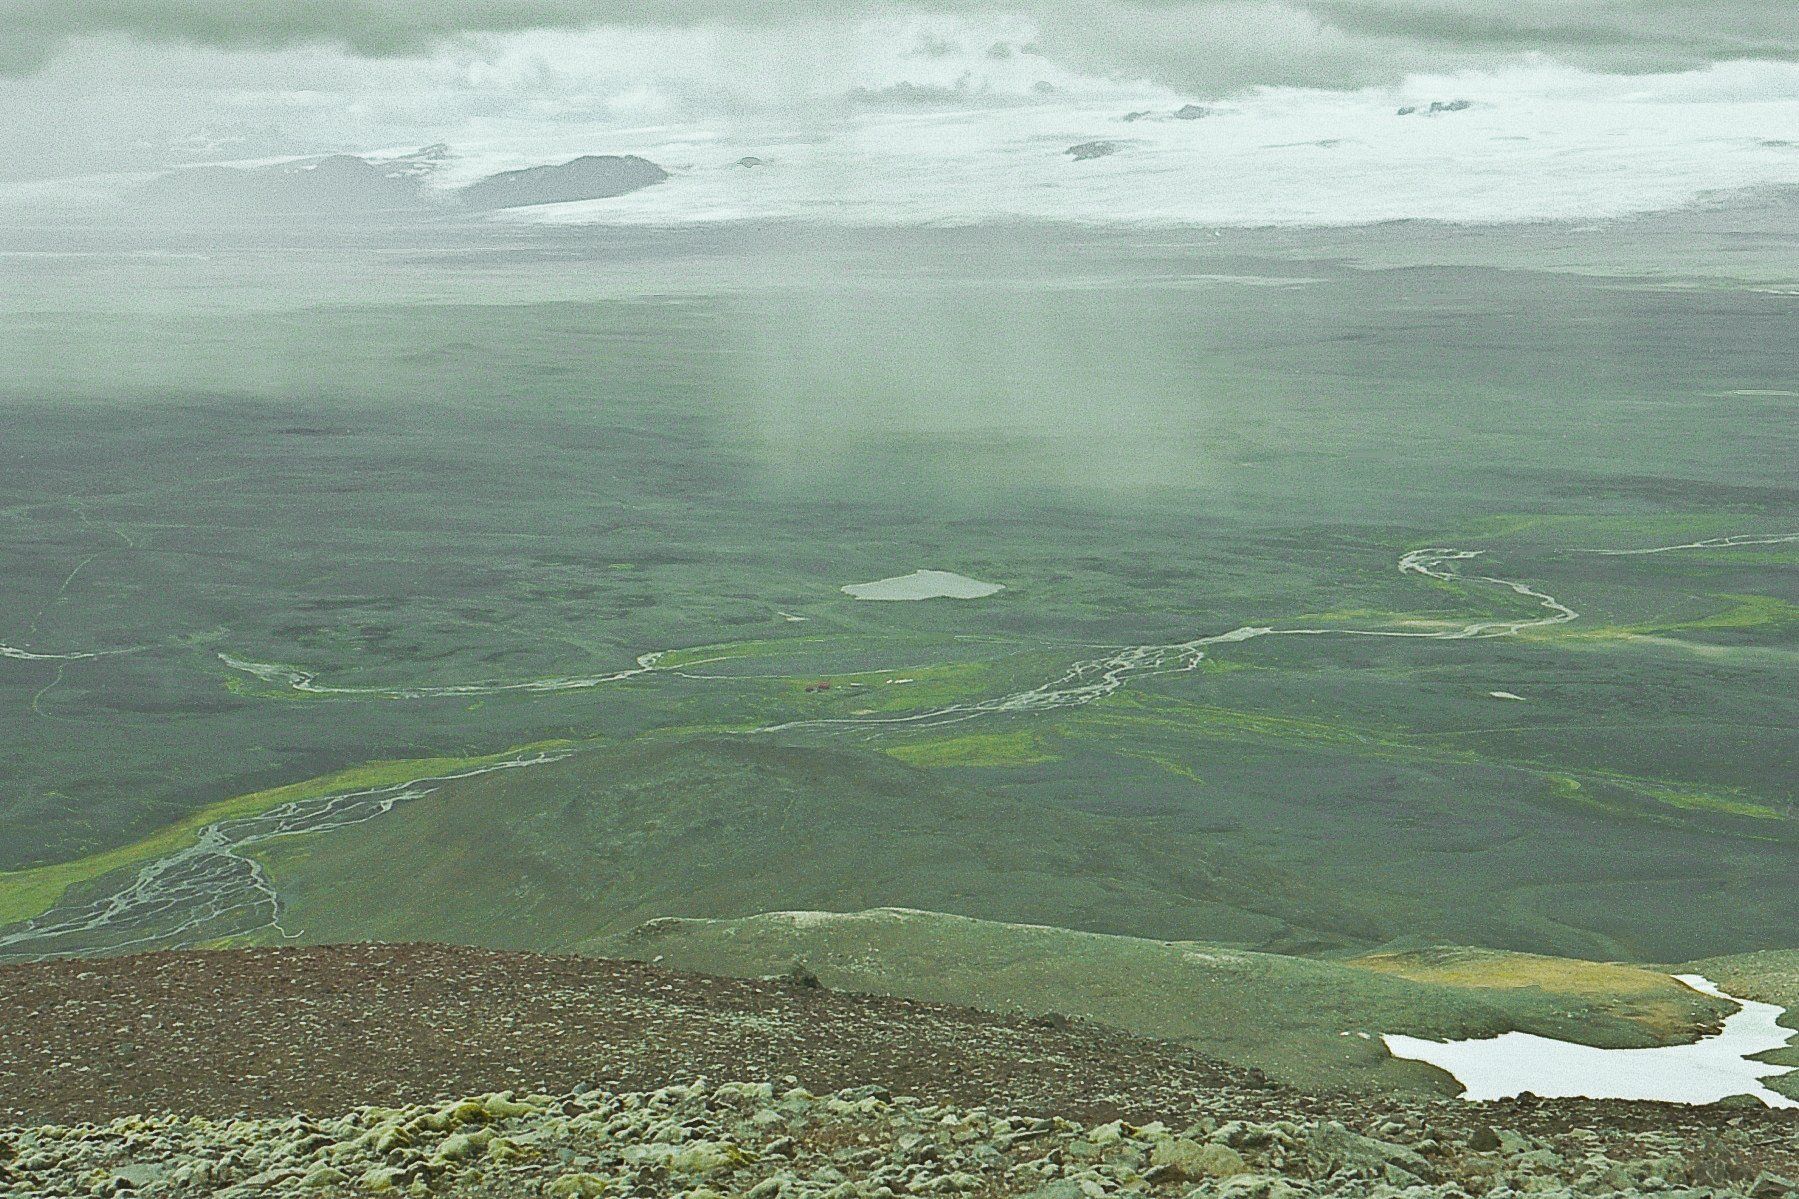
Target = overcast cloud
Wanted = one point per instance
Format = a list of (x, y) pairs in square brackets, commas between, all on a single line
[(950, 110), (1205, 46)]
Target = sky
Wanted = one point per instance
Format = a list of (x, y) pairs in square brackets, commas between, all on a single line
[(1179, 42), (950, 111)]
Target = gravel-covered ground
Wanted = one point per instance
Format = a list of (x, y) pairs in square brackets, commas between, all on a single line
[(270, 1032), (252, 1072)]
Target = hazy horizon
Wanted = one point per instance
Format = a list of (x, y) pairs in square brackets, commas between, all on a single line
[(1214, 114)]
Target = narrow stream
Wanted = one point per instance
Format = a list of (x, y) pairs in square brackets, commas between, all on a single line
[(213, 889)]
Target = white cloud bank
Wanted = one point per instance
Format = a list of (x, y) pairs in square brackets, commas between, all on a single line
[(1184, 43), (909, 119)]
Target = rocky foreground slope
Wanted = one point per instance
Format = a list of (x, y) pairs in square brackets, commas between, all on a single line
[(767, 1141), (505, 1074)]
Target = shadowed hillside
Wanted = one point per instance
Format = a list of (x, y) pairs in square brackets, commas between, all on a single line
[(604, 840)]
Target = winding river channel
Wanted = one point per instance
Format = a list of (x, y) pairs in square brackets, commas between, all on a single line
[(214, 888), (1100, 677), (304, 680)]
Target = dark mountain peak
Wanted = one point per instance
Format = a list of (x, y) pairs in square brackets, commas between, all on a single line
[(590, 177)]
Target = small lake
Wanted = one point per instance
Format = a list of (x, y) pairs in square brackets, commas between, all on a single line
[(1706, 1071), (924, 585)]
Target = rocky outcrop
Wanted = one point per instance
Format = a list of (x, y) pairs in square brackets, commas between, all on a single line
[(1083, 151), (1186, 112), (767, 1140), (420, 164), (1436, 107), (591, 177)]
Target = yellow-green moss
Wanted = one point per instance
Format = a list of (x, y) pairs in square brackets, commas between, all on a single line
[(975, 749)]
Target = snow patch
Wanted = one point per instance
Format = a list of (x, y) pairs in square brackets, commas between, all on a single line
[(923, 585), (1706, 1071)]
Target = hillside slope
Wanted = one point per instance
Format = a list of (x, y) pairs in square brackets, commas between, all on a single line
[(1311, 1023), (462, 1072), (758, 1138), (269, 1031), (606, 839)]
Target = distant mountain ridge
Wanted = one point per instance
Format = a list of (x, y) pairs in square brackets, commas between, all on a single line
[(345, 186), (339, 185), (590, 177)]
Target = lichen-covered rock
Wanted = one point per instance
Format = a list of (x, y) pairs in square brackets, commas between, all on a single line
[(1084, 151), (1182, 1157), (1768, 1185), (1331, 1149), (1249, 1186), (461, 1146), (382, 1178), (706, 1157), (502, 1106), (697, 1141)]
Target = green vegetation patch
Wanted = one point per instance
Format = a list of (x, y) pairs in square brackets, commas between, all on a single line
[(1141, 711), (1307, 1022), (1741, 612), (31, 892), (1646, 996), (767, 647), (976, 749), (1142, 708), (1728, 801), (1746, 612)]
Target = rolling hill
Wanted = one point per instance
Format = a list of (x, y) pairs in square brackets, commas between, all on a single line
[(1312, 1023), (606, 839)]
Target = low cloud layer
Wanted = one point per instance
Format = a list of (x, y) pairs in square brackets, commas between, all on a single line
[(1207, 45)]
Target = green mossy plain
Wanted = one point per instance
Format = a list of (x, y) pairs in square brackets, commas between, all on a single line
[(1313, 1024), (460, 473)]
